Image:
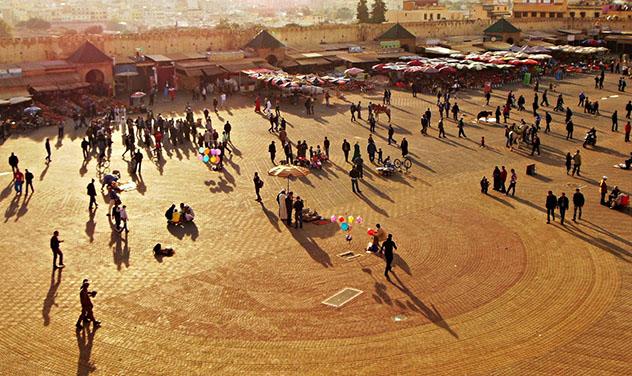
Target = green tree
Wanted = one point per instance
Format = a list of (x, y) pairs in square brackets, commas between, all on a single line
[(378, 11), (362, 12), (5, 29)]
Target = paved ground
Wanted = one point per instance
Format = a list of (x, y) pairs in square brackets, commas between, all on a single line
[(482, 285)]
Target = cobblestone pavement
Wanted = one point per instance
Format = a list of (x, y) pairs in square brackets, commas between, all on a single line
[(482, 285)]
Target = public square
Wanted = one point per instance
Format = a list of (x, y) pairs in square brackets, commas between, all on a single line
[(482, 285)]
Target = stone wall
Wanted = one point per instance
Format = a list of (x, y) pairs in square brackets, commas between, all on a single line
[(191, 40)]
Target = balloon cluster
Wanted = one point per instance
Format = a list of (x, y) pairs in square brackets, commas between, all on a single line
[(346, 223), (209, 155)]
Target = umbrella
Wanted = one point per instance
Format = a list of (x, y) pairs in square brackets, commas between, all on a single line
[(529, 62), (138, 94), (447, 70), (430, 70), (285, 171), (32, 110), (18, 100)]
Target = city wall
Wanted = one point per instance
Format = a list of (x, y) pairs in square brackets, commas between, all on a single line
[(199, 40)]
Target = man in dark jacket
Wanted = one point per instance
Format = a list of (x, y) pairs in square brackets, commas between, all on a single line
[(354, 174), (272, 151), (138, 161), (258, 185), (551, 203), (578, 203), (346, 148), (13, 162), (298, 212), (562, 203), (86, 306), (387, 249), (92, 192), (28, 177), (289, 205)]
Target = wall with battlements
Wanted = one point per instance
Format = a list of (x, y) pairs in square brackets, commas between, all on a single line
[(192, 40)]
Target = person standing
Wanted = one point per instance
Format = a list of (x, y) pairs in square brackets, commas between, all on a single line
[(615, 121), (354, 174), (272, 151), (124, 218), (562, 204), (512, 183), (138, 162), (391, 132), (86, 306), (547, 119), (387, 248), (60, 129), (603, 190), (258, 185), (289, 205), (551, 203), (116, 214), (326, 145), (627, 130), (346, 148), (84, 147), (503, 179), (404, 146), (54, 246), (577, 164), (92, 192), (569, 160), (13, 162), (28, 176), (578, 204), (47, 147), (298, 212)]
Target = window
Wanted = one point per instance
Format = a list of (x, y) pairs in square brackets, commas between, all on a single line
[(572, 14), (534, 14), (425, 16), (438, 16), (551, 14), (582, 14), (596, 14)]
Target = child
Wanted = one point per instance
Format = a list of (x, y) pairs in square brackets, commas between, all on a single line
[(482, 142)]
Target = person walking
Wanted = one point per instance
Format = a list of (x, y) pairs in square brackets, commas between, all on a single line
[(258, 185), (562, 204), (326, 145), (138, 162), (569, 160), (460, 125), (441, 129), (615, 121), (578, 204), (551, 204), (603, 190), (124, 218), (547, 119), (18, 178), (346, 148), (28, 177), (391, 132), (354, 174), (13, 162), (577, 164), (86, 306), (92, 192), (298, 212), (512, 183), (54, 246), (535, 145), (569, 129), (116, 214), (84, 148), (47, 147), (272, 151), (60, 129), (387, 248)]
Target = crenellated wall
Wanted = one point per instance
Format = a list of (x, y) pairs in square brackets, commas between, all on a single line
[(199, 40)]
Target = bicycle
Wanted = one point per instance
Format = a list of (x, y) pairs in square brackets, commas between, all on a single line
[(406, 163)]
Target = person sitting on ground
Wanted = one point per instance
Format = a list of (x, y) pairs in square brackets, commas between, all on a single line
[(169, 213), (159, 251), (614, 194), (627, 163), (186, 213), (109, 179)]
